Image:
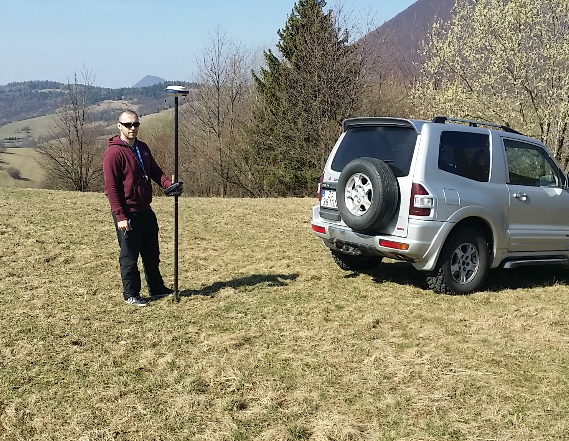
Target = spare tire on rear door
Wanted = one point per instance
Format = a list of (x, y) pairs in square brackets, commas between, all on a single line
[(368, 194)]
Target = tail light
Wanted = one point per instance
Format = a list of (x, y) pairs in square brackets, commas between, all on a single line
[(320, 187), (394, 245), (421, 201), (318, 229)]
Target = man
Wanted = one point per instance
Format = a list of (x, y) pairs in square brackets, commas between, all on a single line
[(128, 167)]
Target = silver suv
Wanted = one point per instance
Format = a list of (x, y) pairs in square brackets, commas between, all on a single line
[(453, 197)]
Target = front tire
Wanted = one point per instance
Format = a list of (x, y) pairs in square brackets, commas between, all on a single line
[(349, 262), (463, 264)]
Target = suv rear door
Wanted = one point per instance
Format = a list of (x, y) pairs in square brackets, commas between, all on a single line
[(390, 140), (539, 202)]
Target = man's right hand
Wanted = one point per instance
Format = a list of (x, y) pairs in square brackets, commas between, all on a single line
[(124, 225)]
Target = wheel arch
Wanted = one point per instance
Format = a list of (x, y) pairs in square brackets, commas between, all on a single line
[(460, 269), (481, 225), (474, 221)]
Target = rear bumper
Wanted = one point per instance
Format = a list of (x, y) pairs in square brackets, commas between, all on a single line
[(424, 240)]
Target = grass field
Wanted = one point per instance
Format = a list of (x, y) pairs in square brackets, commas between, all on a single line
[(270, 341), (31, 129), (26, 161)]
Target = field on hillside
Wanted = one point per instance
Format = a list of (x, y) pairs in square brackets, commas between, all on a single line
[(270, 340), (28, 130), (25, 160)]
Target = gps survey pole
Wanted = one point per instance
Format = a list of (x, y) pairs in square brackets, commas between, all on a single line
[(176, 91)]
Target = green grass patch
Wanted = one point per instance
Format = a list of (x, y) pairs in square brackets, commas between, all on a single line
[(270, 341)]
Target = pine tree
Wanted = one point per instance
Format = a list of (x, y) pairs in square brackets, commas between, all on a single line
[(305, 93)]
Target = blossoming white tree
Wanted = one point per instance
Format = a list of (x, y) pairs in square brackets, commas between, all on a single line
[(504, 61)]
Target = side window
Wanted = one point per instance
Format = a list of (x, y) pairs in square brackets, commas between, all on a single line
[(465, 154), (530, 165)]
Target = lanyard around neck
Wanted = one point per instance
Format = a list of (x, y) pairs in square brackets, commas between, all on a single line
[(136, 152)]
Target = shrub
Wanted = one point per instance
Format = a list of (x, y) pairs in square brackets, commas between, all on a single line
[(14, 172)]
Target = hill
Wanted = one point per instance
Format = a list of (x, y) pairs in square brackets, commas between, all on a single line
[(20, 168), (31, 99), (149, 80), (401, 37)]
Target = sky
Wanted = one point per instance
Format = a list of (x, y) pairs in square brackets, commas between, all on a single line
[(119, 42)]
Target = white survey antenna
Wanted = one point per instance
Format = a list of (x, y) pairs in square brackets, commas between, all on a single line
[(176, 91)]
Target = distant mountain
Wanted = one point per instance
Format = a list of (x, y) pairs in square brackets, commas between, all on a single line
[(149, 80), (401, 37)]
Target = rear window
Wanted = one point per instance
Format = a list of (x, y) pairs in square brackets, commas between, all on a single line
[(393, 145)]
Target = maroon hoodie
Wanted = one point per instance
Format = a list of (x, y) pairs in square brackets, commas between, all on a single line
[(126, 187)]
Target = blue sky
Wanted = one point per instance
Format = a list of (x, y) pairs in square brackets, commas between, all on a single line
[(121, 41)]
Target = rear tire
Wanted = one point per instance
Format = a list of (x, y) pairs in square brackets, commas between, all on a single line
[(349, 262), (463, 264), (368, 194)]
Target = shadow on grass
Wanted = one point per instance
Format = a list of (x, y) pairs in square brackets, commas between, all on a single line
[(527, 277), (255, 279), (402, 273), (498, 279)]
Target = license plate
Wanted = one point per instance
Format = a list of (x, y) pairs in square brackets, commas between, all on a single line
[(328, 199)]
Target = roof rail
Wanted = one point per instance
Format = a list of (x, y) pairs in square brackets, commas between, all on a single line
[(443, 119)]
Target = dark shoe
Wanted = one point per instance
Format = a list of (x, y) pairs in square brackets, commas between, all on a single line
[(164, 292), (136, 301)]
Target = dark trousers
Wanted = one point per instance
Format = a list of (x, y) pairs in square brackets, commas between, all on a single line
[(141, 241)]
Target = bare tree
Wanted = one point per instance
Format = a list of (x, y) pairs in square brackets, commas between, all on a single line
[(214, 117), (72, 160), (387, 79)]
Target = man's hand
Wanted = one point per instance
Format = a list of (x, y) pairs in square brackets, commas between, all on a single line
[(180, 188), (124, 225), (174, 190)]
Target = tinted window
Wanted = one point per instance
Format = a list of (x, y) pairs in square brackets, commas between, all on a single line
[(530, 165), (393, 145), (465, 154)]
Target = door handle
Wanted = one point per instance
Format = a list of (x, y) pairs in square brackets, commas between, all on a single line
[(521, 196)]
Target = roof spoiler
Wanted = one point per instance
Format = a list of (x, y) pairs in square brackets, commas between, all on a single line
[(374, 120)]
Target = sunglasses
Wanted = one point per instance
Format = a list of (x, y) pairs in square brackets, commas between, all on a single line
[(129, 125)]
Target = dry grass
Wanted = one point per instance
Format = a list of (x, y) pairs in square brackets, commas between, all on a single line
[(25, 160), (270, 341)]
